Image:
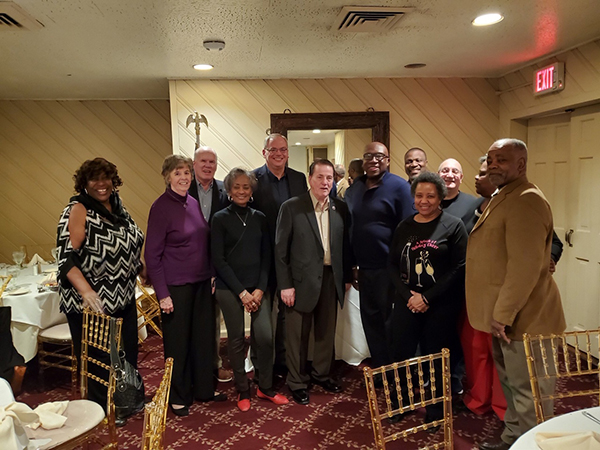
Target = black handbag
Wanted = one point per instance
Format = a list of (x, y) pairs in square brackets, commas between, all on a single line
[(129, 390)]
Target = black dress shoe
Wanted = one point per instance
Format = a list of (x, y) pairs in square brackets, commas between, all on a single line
[(300, 396), (494, 445), (329, 385), (181, 412), (217, 397), (120, 421)]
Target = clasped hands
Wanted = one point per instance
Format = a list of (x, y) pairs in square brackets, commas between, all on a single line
[(416, 303), (251, 301)]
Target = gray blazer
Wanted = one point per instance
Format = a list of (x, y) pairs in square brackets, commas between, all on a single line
[(299, 251)]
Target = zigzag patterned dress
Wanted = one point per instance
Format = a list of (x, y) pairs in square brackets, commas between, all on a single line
[(109, 258)]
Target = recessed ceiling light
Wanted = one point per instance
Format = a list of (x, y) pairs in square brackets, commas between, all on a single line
[(316, 131), (487, 19), (203, 66), (298, 143), (415, 66)]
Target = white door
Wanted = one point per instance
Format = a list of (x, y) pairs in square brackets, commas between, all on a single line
[(582, 299), (549, 143)]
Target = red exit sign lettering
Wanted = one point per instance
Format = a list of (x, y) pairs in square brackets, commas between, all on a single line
[(549, 79)]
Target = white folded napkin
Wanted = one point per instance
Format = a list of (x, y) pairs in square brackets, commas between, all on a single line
[(12, 419), (50, 415), (49, 278), (588, 440), (36, 259)]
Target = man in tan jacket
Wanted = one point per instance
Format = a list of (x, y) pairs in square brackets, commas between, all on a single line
[(509, 287)]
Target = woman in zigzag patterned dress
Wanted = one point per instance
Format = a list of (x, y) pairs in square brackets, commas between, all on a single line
[(99, 260)]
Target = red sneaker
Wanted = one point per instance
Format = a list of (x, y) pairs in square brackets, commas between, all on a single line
[(278, 399)]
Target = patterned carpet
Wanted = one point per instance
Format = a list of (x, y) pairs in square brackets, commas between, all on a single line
[(330, 421)]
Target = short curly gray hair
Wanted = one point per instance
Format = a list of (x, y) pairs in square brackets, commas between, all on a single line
[(236, 172), (433, 178)]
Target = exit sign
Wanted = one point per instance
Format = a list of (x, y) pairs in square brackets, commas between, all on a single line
[(549, 79)]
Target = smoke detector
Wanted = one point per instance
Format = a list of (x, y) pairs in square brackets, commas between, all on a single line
[(214, 46)]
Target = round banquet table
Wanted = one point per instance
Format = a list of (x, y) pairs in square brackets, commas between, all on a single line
[(570, 422), (31, 311)]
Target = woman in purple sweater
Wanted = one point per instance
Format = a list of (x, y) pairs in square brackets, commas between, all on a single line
[(178, 261)]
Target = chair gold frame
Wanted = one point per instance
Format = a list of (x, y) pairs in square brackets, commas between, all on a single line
[(155, 412), (425, 395), (61, 357), (559, 356), (148, 307), (96, 334)]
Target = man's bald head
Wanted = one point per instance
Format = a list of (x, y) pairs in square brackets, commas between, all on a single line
[(452, 173)]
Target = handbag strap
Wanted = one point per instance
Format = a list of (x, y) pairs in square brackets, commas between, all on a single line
[(115, 361)]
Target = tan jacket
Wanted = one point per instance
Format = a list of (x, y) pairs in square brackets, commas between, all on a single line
[(508, 258)]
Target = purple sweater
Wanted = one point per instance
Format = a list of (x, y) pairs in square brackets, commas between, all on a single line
[(177, 243)]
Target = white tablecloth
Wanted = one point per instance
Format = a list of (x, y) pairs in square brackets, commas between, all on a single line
[(571, 422), (350, 342), (31, 312)]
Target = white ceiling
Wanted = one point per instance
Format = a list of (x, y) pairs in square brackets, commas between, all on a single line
[(128, 49)]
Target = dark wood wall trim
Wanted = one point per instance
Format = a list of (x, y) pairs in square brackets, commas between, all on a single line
[(377, 121)]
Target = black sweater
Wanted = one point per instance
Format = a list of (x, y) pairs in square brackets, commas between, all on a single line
[(438, 248), (241, 254)]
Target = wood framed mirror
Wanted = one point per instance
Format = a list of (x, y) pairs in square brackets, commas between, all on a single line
[(377, 121)]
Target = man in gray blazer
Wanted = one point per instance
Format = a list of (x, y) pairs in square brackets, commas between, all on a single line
[(311, 247)]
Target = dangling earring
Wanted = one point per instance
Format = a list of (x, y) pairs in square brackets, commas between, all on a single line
[(229, 198), (251, 199), (85, 190)]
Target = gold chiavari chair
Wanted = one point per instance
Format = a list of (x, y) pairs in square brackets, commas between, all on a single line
[(86, 420), (155, 412), (61, 355), (148, 307), (392, 374), (572, 354)]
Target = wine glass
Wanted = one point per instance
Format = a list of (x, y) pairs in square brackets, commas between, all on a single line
[(19, 256), (419, 270)]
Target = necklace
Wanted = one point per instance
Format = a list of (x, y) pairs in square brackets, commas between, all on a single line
[(244, 219)]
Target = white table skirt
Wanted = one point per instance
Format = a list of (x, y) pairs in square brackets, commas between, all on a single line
[(350, 341), (571, 422), (31, 312)]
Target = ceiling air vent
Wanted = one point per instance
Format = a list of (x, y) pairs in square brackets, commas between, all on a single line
[(369, 19), (14, 18)]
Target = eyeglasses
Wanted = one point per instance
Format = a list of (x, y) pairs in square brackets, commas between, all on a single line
[(374, 156), (275, 150)]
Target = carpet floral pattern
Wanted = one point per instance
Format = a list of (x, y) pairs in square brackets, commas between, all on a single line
[(330, 421)]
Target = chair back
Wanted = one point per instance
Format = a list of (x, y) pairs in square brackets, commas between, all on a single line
[(149, 308), (570, 355), (96, 334), (390, 401), (155, 412)]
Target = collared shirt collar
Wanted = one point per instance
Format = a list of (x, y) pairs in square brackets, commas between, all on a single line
[(201, 188), (316, 204)]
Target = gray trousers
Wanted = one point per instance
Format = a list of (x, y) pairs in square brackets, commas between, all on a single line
[(297, 334), (261, 339), (511, 364)]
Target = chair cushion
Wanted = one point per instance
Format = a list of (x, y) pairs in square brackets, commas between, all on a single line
[(58, 332), (82, 416)]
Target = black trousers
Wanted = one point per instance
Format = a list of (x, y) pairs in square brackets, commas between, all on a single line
[(188, 338), (261, 340), (376, 298), (298, 326), (129, 341)]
